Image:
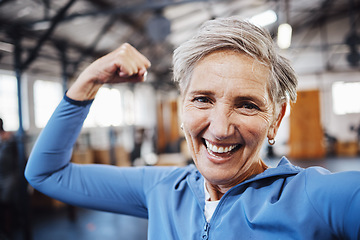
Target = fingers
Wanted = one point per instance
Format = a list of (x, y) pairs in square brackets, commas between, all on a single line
[(131, 62)]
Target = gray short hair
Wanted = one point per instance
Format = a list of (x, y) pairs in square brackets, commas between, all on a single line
[(242, 36)]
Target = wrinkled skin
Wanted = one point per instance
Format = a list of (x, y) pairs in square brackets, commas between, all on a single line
[(227, 105)]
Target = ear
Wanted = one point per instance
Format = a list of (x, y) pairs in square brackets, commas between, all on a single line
[(277, 121)]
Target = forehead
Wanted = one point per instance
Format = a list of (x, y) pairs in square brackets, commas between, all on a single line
[(230, 69)]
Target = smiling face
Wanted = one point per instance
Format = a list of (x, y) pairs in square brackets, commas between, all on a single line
[(227, 114)]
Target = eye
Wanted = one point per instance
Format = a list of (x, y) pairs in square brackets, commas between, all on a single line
[(250, 106), (202, 100)]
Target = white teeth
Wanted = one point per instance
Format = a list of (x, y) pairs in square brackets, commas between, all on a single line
[(220, 150), (217, 149)]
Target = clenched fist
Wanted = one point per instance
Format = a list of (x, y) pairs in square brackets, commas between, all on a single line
[(125, 64)]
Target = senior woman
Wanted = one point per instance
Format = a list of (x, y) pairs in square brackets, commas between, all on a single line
[(235, 88)]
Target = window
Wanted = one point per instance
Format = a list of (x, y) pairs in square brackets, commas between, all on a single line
[(346, 97), (129, 117), (106, 109), (9, 102), (47, 96)]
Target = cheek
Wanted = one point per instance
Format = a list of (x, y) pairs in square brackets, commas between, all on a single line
[(191, 128), (257, 129), (193, 120)]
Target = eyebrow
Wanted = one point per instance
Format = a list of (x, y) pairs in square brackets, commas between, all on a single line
[(246, 97), (255, 99), (203, 92)]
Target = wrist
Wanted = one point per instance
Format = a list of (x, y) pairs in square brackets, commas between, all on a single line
[(84, 88), (76, 102)]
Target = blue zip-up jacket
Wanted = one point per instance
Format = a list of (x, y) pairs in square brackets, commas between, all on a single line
[(286, 202)]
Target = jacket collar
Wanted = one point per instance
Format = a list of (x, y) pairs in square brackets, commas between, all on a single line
[(284, 168)]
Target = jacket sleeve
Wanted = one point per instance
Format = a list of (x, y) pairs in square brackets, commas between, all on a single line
[(100, 187), (336, 198)]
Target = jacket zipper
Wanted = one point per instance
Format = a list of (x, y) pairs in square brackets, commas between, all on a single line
[(205, 235), (205, 232)]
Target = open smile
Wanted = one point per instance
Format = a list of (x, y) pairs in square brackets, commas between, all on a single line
[(218, 151)]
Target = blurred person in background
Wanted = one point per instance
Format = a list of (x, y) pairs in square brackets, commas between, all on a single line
[(9, 176)]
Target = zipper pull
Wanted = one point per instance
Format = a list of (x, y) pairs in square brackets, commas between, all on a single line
[(205, 234)]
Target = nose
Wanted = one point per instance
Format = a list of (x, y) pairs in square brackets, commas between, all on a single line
[(221, 126)]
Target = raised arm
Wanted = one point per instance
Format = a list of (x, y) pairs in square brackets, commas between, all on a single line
[(49, 169)]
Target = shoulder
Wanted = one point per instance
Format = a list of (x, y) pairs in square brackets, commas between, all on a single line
[(315, 182), (335, 197), (332, 197), (312, 177), (335, 185), (319, 176)]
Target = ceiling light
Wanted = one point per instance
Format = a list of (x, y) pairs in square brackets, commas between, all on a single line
[(42, 25), (284, 36), (6, 47), (265, 18), (24, 12)]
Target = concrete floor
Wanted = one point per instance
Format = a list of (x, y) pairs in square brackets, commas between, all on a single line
[(87, 225), (95, 225)]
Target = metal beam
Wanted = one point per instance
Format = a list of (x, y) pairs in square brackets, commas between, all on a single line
[(20, 140), (126, 10), (55, 21), (62, 47), (11, 28), (323, 13), (4, 1), (95, 42)]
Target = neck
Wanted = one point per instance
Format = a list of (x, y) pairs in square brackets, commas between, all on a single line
[(217, 191)]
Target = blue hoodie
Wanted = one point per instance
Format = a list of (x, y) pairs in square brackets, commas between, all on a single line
[(286, 202)]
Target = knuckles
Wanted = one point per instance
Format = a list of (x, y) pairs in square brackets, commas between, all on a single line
[(124, 49)]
